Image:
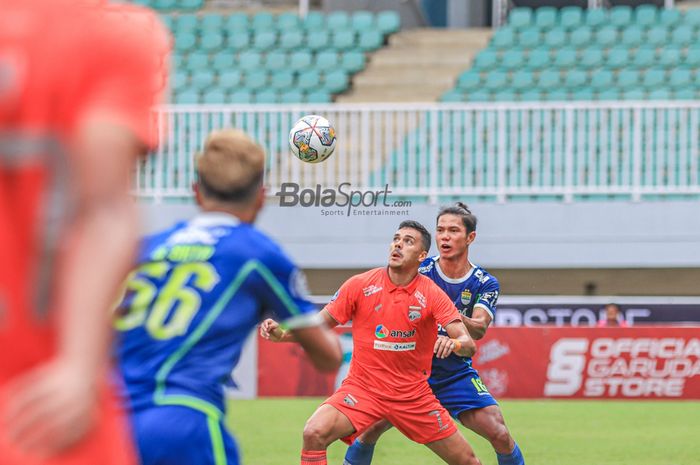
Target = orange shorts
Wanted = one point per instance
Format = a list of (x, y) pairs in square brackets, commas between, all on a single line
[(422, 419)]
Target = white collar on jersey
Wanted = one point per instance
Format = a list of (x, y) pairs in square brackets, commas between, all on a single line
[(208, 219), (453, 280)]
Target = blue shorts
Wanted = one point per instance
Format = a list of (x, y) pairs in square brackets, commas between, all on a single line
[(461, 392), (175, 435)]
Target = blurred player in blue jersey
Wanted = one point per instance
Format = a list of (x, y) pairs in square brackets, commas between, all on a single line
[(197, 291), (454, 381)]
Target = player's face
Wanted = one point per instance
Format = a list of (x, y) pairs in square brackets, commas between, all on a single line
[(451, 236), (406, 249)]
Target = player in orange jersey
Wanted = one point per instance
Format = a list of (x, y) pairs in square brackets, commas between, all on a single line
[(78, 80), (395, 313)]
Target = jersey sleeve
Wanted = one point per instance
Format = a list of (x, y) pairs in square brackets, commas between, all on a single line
[(126, 73), (444, 310), (488, 296), (343, 304)]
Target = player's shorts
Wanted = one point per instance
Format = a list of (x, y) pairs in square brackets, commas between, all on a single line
[(109, 442), (461, 392), (422, 419), (175, 435)]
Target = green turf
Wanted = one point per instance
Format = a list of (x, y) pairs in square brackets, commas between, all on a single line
[(549, 433)]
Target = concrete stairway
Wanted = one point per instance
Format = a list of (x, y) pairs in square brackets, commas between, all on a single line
[(418, 65)]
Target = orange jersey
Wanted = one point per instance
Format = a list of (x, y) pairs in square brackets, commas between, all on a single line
[(393, 329), (60, 63)]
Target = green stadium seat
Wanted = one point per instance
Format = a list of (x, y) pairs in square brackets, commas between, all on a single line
[(250, 60), (292, 96), (291, 40), (353, 61), (575, 79), (680, 78), (230, 79), (202, 79), (388, 22), (520, 18), (213, 96), (196, 61), (185, 23), (692, 56), (452, 96), (653, 78), (682, 35), (275, 60), (211, 41), (190, 4), (187, 97), (618, 57), (300, 60), (584, 94), (670, 56), (531, 95), (606, 36), (309, 79), (479, 96), (602, 79), (338, 20), (469, 80), (266, 96), (627, 78), (238, 41), (241, 96), (546, 17), (538, 59), (223, 61), (555, 38), (485, 60), (646, 15), (264, 40), (343, 39), (318, 40), (318, 96), (522, 80), (336, 81), (657, 36), (263, 21), (512, 59), (609, 94), (596, 17), (632, 36), (659, 94), (621, 16), (580, 37), (633, 94), (185, 41), (556, 95), (327, 60), (370, 41), (164, 5), (503, 38), (496, 80), (644, 57), (565, 57), (314, 20), (571, 17), (177, 61), (692, 18), (548, 79), (288, 22), (282, 80), (237, 22), (362, 20), (211, 22), (529, 38), (180, 80), (504, 95), (255, 79), (684, 94), (670, 17), (592, 57)]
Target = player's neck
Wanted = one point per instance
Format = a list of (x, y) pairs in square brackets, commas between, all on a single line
[(402, 277), (455, 267)]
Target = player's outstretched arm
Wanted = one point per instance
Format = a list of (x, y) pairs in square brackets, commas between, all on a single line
[(478, 323), (459, 341)]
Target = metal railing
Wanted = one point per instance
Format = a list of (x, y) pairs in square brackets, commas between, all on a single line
[(496, 151)]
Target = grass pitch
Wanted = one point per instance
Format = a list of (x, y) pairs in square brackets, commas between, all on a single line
[(553, 432)]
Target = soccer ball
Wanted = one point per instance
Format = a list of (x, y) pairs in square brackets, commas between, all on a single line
[(312, 139)]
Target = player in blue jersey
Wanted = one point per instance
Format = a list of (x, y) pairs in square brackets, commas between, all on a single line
[(454, 381), (198, 290)]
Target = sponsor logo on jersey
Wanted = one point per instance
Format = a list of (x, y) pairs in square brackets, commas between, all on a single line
[(372, 289), (466, 296), (414, 313), (479, 274), (381, 332), (378, 307), (421, 299), (426, 268), (349, 400), (394, 346), (335, 296)]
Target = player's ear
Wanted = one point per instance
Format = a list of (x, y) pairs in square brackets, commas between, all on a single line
[(422, 256), (197, 193), (471, 237)]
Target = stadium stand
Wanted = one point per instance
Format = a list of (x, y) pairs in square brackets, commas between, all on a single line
[(597, 54)]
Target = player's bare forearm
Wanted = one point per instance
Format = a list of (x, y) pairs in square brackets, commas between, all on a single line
[(476, 328), (464, 344)]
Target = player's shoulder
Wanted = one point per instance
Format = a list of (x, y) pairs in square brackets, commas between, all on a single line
[(485, 278), (375, 276), (427, 265)]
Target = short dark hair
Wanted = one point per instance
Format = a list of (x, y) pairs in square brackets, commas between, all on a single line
[(425, 235), (460, 209)]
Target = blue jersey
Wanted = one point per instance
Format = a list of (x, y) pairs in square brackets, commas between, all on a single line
[(476, 289), (198, 290)]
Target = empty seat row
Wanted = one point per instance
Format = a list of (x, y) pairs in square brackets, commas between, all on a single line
[(351, 62), (333, 81), (584, 94), (244, 96)]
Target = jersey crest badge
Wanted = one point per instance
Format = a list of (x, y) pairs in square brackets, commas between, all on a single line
[(466, 297), (414, 313)]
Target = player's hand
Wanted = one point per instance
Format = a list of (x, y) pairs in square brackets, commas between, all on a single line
[(443, 347), (49, 409), (270, 330)]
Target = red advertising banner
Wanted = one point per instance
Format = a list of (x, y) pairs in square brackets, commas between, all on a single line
[(537, 362)]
